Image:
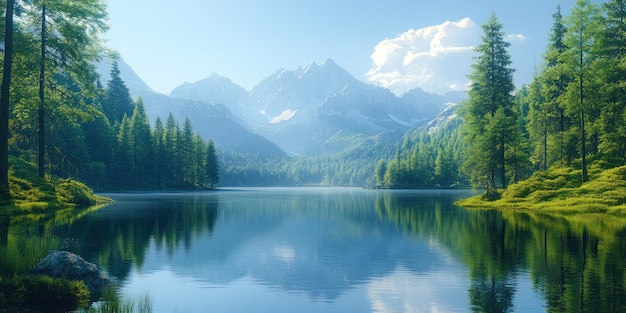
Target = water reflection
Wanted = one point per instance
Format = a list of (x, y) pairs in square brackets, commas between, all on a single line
[(577, 264), (337, 250)]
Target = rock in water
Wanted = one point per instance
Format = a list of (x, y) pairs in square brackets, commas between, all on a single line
[(64, 264)]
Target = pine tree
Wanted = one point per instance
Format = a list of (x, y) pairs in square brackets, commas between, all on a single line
[(124, 160), (212, 166), (68, 34), (4, 101), (582, 31), (158, 135), (172, 164), (611, 68), (547, 122), (200, 159), (488, 113), (142, 147), (117, 101), (379, 173), (187, 153)]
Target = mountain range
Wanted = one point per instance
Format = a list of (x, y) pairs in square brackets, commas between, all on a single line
[(293, 112)]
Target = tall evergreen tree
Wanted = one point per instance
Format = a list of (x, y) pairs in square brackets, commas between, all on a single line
[(68, 33), (379, 173), (158, 135), (117, 101), (187, 153), (488, 113), (199, 160), (4, 101), (212, 165), (611, 70), (171, 146), (547, 122), (582, 27), (122, 173), (141, 146)]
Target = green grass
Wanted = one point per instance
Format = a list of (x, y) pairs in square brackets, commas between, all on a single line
[(560, 190), (22, 253), (32, 194), (40, 293), (112, 303)]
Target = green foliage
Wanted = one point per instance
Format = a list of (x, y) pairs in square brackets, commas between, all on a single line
[(111, 303), (381, 169), (212, 166), (354, 165), (490, 119), (561, 189), (117, 102), (18, 256), (428, 158), (29, 193), (77, 193), (42, 294)]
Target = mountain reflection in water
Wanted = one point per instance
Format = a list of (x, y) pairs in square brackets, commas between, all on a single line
[(346, 249)]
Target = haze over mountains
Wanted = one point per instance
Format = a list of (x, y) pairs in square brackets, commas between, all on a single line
[(291, 111)]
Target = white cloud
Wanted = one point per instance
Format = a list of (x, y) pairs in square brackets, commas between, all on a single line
[(436, 58), (516, 38)]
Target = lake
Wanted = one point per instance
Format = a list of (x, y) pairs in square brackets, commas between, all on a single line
[(344, 250)]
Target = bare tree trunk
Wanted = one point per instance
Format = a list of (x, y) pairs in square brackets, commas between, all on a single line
[(4, 103), (42, 130)]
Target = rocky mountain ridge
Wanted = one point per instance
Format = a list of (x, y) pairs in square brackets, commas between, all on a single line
[(296, 111)]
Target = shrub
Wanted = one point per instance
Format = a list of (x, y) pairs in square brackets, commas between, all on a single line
[(42, 294), (72, 192)]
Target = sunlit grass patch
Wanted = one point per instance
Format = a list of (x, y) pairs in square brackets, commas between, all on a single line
[(33, 194), (559, 189)]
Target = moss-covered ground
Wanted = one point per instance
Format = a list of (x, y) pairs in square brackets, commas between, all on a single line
[(561, 190), (32, 194)]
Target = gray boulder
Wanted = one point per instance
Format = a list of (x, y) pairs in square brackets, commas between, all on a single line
[(64, 264)]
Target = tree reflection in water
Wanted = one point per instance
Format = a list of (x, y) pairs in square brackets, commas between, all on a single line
[(577, 264)]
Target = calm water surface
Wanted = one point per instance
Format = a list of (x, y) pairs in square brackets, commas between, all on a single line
[(347, 250)]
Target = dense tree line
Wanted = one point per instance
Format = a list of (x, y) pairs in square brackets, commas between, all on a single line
[(426, 158), (349, 167), (47, 72), (61, 118), (130, 154), (573, 111)]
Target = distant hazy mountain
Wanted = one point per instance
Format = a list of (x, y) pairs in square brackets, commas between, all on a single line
[(300, 110), (212, 120), (304, 111)]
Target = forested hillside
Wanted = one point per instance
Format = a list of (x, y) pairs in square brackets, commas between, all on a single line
[(57, 114), (75, 125), (571, 115)]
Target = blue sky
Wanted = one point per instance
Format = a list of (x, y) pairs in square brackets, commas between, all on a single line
[(396, 44)]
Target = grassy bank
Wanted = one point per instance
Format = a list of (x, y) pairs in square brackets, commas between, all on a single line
[(35, 199), (560, 190), (32, 194)]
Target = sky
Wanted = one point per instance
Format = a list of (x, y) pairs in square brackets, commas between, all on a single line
[(398, 44)]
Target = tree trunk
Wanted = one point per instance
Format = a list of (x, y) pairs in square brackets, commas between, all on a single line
[(4, 103), (502, 161), (42, 67), (545, 148), (583, 148)]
